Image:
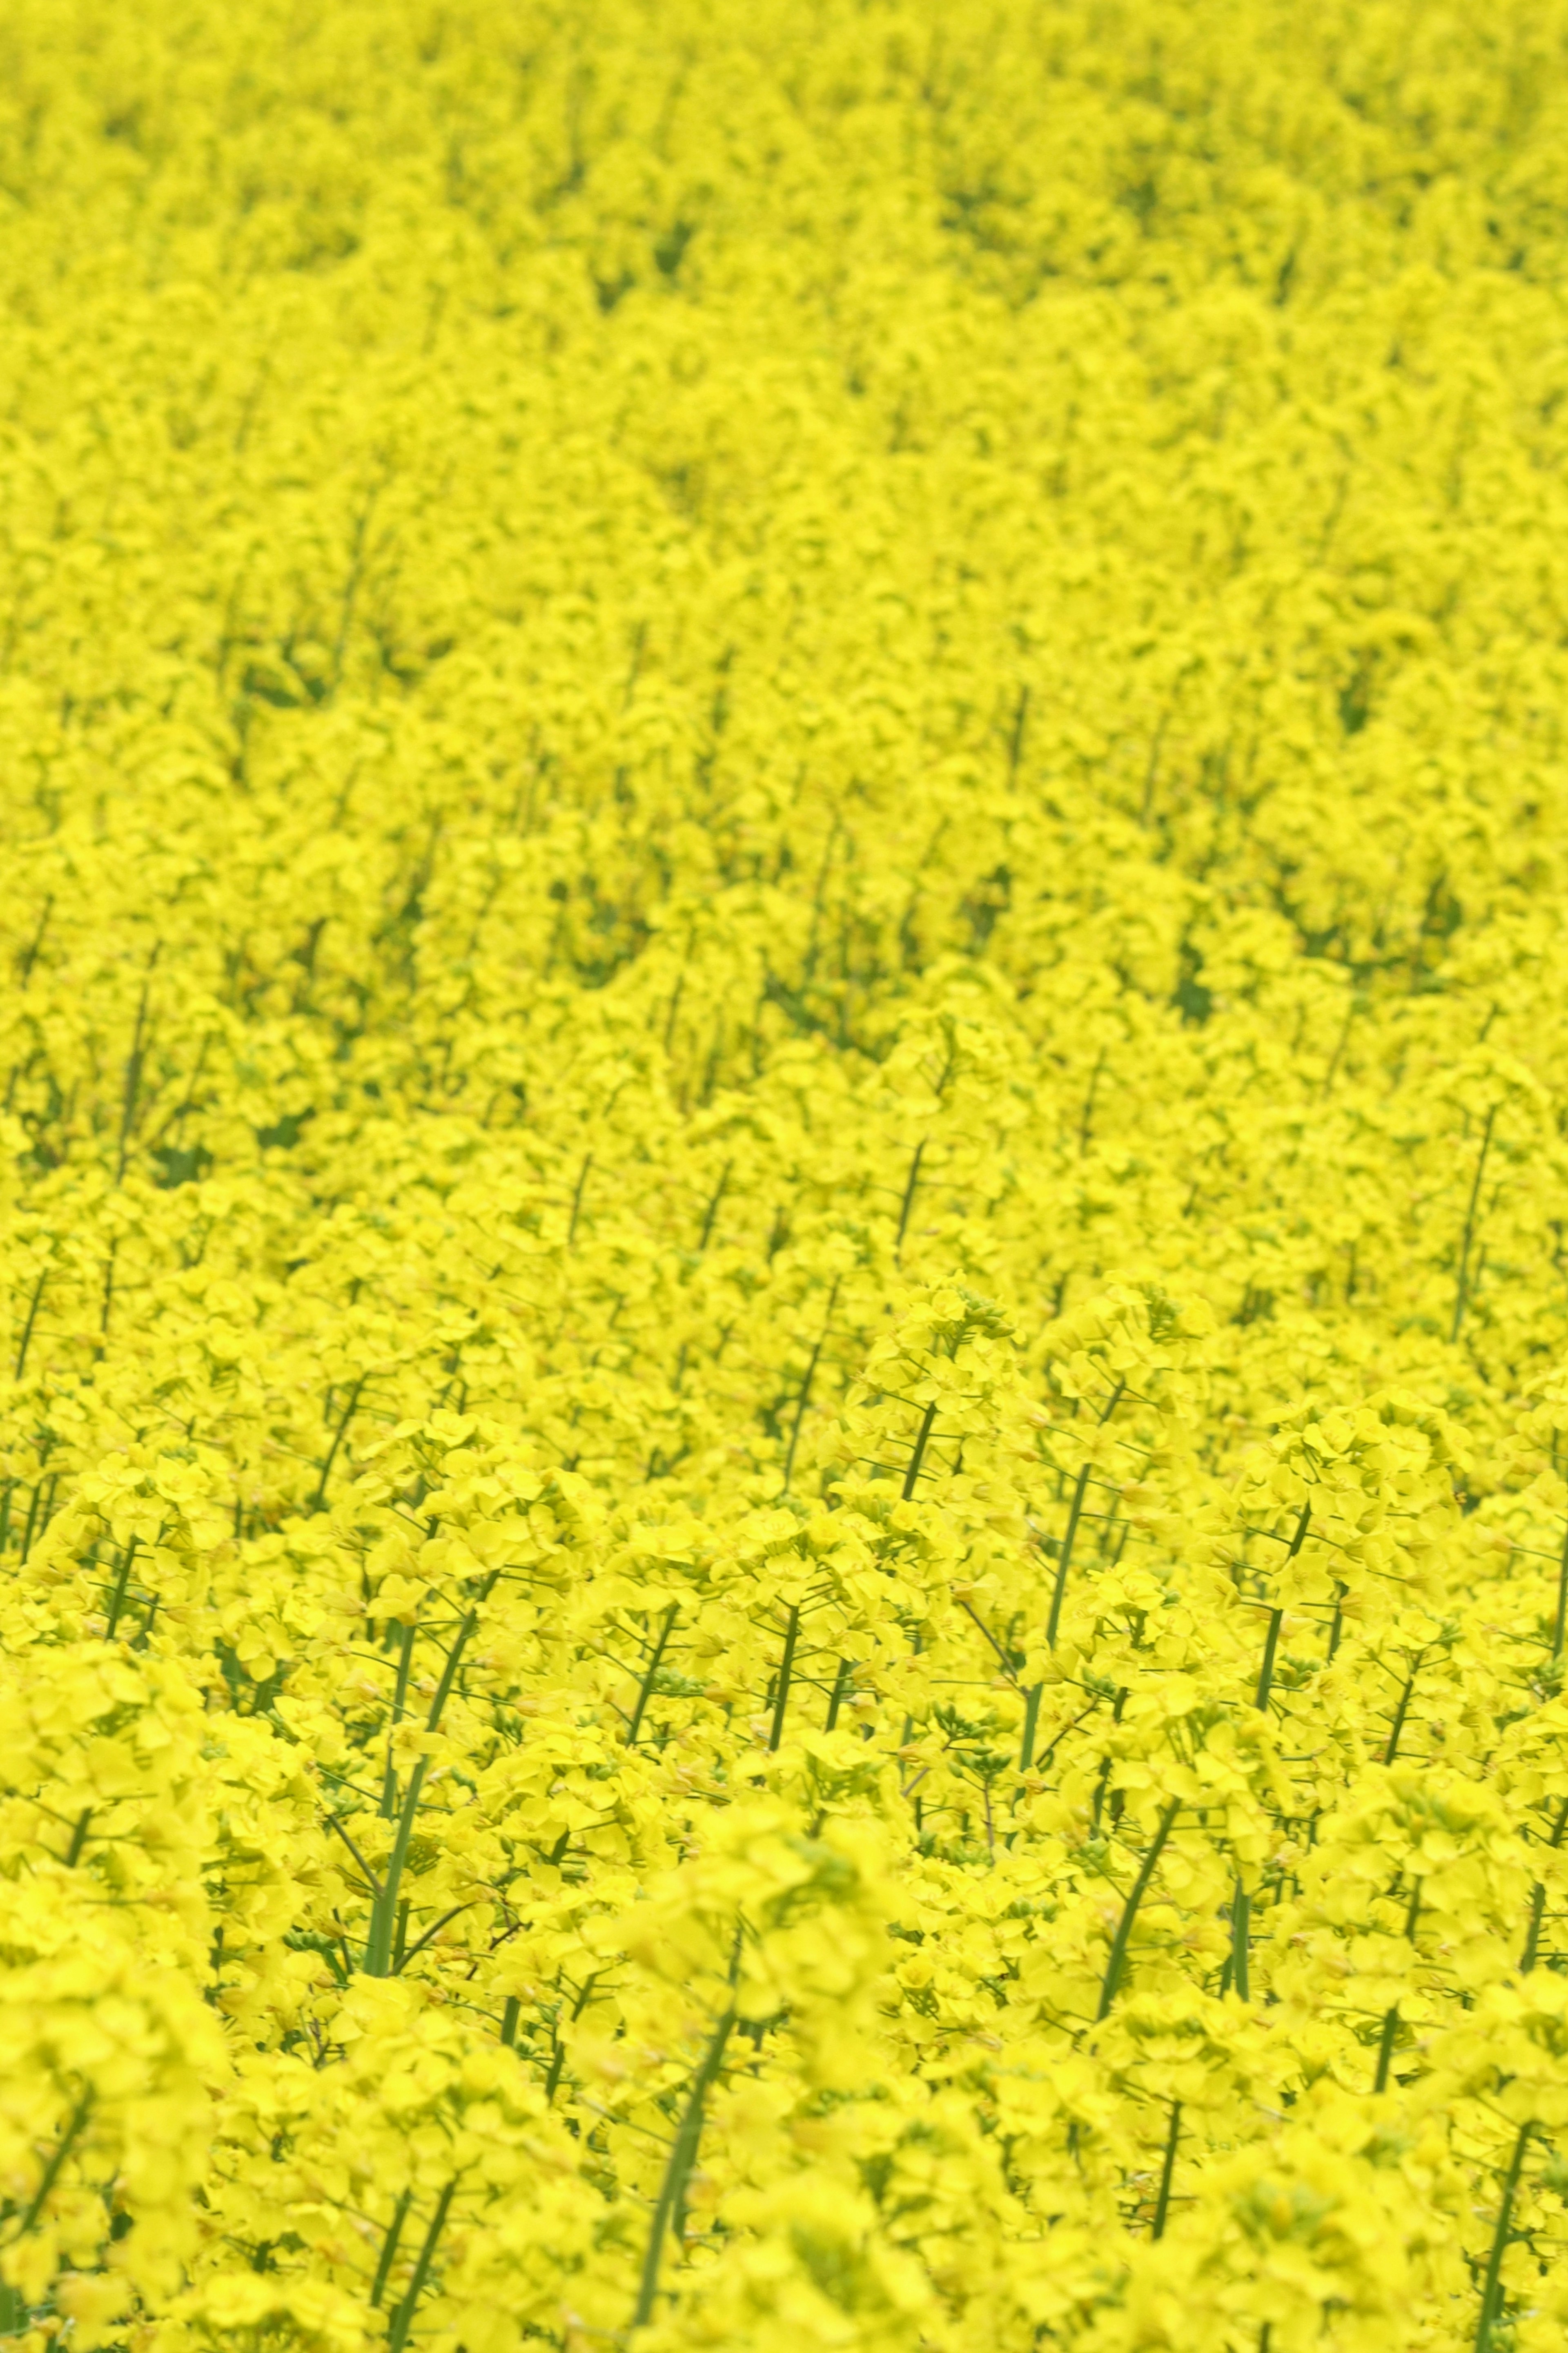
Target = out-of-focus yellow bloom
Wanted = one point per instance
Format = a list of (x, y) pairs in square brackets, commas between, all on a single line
[(783, 1362)]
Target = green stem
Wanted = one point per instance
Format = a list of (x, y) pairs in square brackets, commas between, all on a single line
[(399, 1698), (108, 1292), (918, 1457), (677, 2171), (1538, 1896), (1385, 2047), (1019, 727), (1391, 2021), (449, 1671), (645, 1691), (116, 1598), (713, 1205), (1163, 2204), (1075, 1512), (840, 1685), (378, 1962), (401, 1958), (32, 1318), (1391, 1750), (401, 2320), (1031, 1722), (371, 1881), (319, 1497), (1086, 1123), (351, 583), (804, 1399), (29, 957), (1277, 1617), (132, 1082), (558, 2059), (1461, 1288), (1114, 1966), (786, 1666), (908, 1199), (1240, 1940), (389, 2248), (577, 1200), (1557, 1630), (1491, 2293), (56, 2165), (384, 1908)]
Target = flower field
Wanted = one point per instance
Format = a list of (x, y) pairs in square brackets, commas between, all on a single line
[(783, 1169)]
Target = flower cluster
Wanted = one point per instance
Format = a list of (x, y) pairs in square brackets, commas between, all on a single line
[(783, 1171)]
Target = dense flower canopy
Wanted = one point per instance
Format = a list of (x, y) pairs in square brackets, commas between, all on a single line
[(785, 1172)]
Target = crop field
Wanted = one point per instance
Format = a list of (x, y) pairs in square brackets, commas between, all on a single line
[(784, 1175)]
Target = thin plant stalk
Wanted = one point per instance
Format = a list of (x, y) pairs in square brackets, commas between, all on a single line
[(55, 2166), (909, 1200), (117, 1598), (1400, 1712), (37, 1300), (319, 1497), (399, 1700), (786, 1666), (1461, 1288), (402, 2319), (1265, 1671), (1240, 1941), (1031, 1724), (1492, 2291), (1277, 1619), (577, 1200), (1075, 1511), (804, 1399), (645, 1690), (1117, 1962), (389, 2248), (918, 1457), (719, 1191), (677, 2171), (1167, 2172), (378, 1962), (132, 1079), (1538, 1898), (1385, 2040)]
